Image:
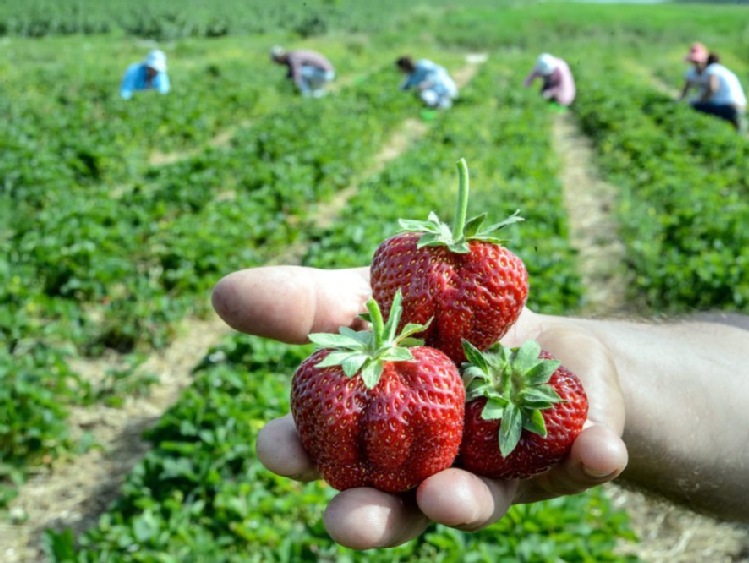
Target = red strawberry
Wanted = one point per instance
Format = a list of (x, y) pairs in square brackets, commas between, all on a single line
[(373, 413), (463, 279), (524, 411)]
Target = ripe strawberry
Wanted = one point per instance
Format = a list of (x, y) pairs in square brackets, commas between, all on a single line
[(524, 411), (371, 412), (471, 286)]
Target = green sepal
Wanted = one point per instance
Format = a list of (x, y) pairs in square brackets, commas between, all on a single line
[(396, 355), (534, 422), (510, 429), (542, 372), (541, 397), (341, 340), (494, 409), (526, 357), (476, 390), (472, 226), (474, 356), (343, 359), (371, 373)]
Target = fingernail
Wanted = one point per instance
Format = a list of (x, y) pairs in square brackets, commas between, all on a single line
[(598, 473)]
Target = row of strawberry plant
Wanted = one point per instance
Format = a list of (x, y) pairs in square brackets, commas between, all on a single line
[(683, 178), (65, 128), (200, 492)]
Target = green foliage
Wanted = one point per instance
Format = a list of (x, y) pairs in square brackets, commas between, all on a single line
[(116, 218), (174, 19), (685, 178)]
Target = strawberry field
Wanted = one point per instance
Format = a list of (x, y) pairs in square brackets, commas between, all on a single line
[(117, 218)]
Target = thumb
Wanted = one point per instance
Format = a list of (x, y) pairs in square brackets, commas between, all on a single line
[(287, 303)]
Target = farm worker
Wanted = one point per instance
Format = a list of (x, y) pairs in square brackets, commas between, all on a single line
[(434, 85), (636, 422), (558, 84), (149, 74), (695, 77), (723, 95), (310, 71)]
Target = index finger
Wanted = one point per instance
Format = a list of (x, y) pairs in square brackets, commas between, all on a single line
[(287, 303)]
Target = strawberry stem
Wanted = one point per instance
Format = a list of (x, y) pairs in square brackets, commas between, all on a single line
[(459, 222)]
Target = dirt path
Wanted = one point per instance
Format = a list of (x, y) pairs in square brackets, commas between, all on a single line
[(668, 533), (593, 230), (75, 492)]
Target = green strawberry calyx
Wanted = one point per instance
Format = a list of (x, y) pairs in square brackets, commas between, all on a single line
[(437, 233), (366, 351), (515, 383)]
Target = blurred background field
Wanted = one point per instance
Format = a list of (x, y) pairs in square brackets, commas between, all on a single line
[(128, 414)]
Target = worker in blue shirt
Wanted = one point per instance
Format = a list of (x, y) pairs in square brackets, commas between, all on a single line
[(149, 74), (435, 86)]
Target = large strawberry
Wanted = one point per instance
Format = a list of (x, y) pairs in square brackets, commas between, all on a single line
[(524, 411), (372, 412), (471, 286)]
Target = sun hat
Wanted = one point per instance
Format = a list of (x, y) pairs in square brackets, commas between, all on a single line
[(277, 51), (697, 54), (545, 64), (156, 60)]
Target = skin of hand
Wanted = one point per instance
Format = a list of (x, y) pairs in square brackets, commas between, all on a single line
[(287, 303)]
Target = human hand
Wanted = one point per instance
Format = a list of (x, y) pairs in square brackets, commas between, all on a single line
[(287, 303)]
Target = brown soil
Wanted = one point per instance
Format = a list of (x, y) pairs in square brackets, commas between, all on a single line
[(593, 230), (667, 533), (75, 492)]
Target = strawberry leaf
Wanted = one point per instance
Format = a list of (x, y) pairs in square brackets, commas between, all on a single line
[(335, 359), (456, 237), (510, 429)]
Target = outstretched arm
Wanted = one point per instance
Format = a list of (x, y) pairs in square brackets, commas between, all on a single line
[(686, 391), (672, 380)]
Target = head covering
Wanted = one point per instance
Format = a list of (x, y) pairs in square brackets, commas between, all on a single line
[(277, 51), (545, 64), (156, 60), (697, 54)]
